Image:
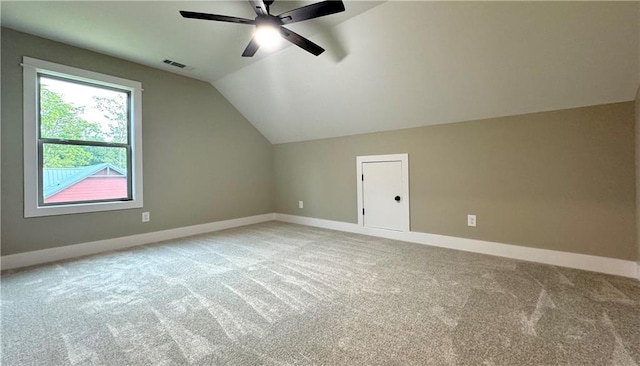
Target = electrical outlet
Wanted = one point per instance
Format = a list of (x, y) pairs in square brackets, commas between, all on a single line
[(300, 204), (146, 217), (471, 220)]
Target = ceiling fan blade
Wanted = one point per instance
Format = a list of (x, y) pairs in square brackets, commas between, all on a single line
[(251, 49), (259, 7), (221, 18), (311, 11), (300, 41)]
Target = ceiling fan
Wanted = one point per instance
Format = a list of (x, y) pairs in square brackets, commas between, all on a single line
[(270, 29)]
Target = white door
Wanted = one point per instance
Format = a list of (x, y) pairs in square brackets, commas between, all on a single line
[(384, 201)]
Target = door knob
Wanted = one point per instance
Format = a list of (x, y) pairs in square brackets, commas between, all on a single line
[(397, 198)]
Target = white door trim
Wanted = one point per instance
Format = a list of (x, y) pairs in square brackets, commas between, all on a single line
[(404, 158)]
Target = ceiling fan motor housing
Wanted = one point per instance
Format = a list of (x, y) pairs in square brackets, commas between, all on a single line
[(268, 21)]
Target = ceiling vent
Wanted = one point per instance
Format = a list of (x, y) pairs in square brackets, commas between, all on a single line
[(177, 64)]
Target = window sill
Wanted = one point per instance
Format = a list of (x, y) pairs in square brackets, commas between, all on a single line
[(41, 211)]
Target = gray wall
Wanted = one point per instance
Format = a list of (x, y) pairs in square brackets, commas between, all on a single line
[(203, 161), (637, 103), (561, 180)]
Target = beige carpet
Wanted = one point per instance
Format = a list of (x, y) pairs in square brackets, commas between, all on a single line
[(282, 294)]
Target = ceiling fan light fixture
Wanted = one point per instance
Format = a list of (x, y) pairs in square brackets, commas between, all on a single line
[(269, 31), (268, 36)]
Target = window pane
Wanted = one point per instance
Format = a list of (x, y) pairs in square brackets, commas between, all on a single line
[(74, 111), (72, 173)]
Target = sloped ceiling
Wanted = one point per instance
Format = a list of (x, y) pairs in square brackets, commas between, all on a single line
[(147, 32), (396, 65), (409, 64)]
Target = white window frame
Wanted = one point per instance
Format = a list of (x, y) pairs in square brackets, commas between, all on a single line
[(31, 68)]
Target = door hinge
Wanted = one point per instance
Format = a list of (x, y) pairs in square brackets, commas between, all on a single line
[(363, 177), (363, 211)]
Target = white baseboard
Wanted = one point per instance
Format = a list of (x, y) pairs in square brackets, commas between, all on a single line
[(564, 259), (94, 247), (593, 263)]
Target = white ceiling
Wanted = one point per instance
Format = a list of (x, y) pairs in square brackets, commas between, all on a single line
[(147, 32), (413, 64), (396, 65)]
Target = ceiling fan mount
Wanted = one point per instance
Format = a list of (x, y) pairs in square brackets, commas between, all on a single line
[(275, 23), (267, 3)]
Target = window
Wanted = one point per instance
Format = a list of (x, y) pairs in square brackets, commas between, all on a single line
[(82, 140)]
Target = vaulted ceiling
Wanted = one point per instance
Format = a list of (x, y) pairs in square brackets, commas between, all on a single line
[(393, 65), (148, 32)]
